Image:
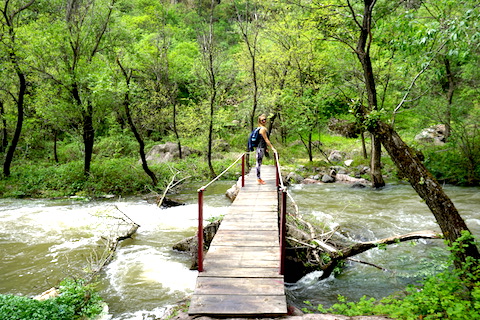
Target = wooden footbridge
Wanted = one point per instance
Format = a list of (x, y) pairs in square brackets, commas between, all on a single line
[(241, 274)]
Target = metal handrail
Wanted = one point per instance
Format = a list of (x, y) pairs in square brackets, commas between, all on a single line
[(224, 171), (200, 207), (279, 173), (283, 214)]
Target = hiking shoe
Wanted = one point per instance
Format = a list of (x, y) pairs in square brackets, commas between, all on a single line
[(260, 181)]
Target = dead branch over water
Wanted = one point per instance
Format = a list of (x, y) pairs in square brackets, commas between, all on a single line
[(123, 228), (311, 248)]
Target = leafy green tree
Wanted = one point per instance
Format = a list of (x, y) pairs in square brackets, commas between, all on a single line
[(77, 36), (249, 20), (217, 74), (126, 104), (445, 32), (13, 17), (294, 60), (407, 161)]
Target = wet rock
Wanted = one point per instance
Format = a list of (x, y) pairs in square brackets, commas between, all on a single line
[(233, 191), (328, 178), (358, 185), (310, 181), (293, 178), (190, 244), (346, 178), (50, 293)]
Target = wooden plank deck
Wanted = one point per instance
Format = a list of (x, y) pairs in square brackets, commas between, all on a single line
[(241, 268)]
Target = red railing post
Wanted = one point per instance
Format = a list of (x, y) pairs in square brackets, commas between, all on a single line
[(243, 170), (283, 243), (200, 230)]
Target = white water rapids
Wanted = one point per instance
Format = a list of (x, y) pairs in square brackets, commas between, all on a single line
[(44, 241)]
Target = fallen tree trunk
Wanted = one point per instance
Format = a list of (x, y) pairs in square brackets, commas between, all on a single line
[(357, 248), (112, 243), (315, 249)]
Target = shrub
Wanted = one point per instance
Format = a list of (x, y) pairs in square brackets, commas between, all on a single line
[(453, 294), (77, 300)]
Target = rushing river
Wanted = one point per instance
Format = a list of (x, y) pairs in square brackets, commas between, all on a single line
[(44, 241)]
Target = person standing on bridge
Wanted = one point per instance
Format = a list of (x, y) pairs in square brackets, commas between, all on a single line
[(262, 145)]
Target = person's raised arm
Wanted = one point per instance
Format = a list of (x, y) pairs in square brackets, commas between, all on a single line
[(263, 132)]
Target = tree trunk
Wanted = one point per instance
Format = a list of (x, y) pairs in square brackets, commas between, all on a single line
[(450, 92), (375, 164), (10, 15), (88, 137), (210, 135), (4, 143), (364, 147), (357, 248), (363, 53), (255, 85), (18, 128), (88, 132), (138, 137), (249, 29), (175, 130), (141, 143), (213, 87), (310, 147), (55, 140), (427, 187)]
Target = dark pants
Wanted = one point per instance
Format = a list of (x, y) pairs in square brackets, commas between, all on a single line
[(260, 155)]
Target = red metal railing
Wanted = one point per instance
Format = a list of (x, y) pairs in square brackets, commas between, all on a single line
[(283, 214), (283, 211), (200, 208)]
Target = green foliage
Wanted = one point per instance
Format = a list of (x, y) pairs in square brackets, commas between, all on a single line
[(453, 294), (77, 301), (118, 176), (116, 146), (457, 162), (303, 80)]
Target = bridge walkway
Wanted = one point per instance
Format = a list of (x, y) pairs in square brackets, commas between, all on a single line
[(241, 268)]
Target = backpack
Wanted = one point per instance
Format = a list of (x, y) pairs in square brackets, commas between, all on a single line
[(253, 139)]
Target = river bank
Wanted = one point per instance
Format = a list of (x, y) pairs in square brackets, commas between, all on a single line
[(294, 314)]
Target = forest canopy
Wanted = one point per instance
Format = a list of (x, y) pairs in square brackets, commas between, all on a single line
[(83, 82)]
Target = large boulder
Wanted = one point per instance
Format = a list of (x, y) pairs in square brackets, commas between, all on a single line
[(293, 178), (167, 152), (434, 134), (345, 128), (221, 146), (336, 156), (233, 191)]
